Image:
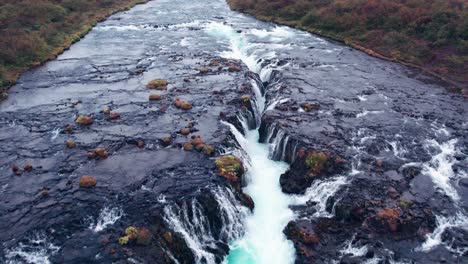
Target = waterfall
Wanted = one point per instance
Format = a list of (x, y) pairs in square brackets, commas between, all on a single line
[(191, 221)]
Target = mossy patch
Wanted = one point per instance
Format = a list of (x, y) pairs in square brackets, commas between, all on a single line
[(229, 167), (84, 120), (316, 161), (158, 84), (181, 104)]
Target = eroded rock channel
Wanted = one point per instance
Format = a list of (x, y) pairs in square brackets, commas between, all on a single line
[(377, 152)]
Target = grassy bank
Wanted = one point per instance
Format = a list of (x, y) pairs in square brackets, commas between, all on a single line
[(431, 35), (34, 31)]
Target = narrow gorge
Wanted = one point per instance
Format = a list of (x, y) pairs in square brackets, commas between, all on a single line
[(258, 144)]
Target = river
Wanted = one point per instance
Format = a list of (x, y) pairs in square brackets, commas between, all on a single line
[(402, 136)]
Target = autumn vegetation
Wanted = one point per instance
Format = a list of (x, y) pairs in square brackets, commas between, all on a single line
[(34, 31), (428, 34)]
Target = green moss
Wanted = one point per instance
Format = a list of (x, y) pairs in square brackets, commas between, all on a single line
[(316, 161), (405, 203), (124, 240), (230, 163)]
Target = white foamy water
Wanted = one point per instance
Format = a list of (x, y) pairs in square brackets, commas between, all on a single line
[(107, 217), (444, 223), (439, 168), (37, 250), (190, 221), (353, 249), (320, 192), (264, 240)]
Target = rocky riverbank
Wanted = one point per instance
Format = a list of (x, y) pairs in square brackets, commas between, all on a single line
[(389, 151), (140, 154)]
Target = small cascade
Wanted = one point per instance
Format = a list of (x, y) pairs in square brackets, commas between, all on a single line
[(458, 221), (439, 168), (107, 217), (191, 221), (353, 249), (264, 240), (320, 192)]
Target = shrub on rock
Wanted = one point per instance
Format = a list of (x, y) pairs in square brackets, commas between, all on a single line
[(214, 63), (101, 152), (316, 161), (166, 141), (106, 110), (84, 120), (204, 70), (158, 84), (188, 147), (155, 97), (181, 104), (185, 131), (208, 150), (309, 107), (142, 236), (229, 167), (70, 144), (87, 182), (28, 167)]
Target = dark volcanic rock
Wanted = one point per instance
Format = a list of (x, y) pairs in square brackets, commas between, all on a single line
[(151, 181)]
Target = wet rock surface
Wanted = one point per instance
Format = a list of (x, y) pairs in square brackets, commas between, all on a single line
[(393, 138), (382, 148), (102, 153)]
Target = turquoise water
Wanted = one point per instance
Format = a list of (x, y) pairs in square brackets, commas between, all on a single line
[(264, 241)]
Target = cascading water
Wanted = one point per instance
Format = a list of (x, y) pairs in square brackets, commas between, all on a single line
[(440, 170), (264, 240), (190, 220)]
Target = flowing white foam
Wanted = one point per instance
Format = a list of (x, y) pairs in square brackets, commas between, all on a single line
[(275, 103), (264, 240), (365, 113), (239, 46), (55, 133), (439, 168), (320, 192), (36, 250), (277, 34), (107, 217), (443, 223), (353, 250), (190, 221)]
